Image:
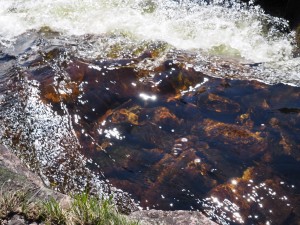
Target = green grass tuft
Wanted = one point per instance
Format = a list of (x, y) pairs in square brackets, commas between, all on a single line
[(89, 210), (53, 213), (84, 209), (10, 201)]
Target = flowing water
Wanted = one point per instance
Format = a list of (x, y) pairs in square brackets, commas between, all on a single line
[(171, 104)]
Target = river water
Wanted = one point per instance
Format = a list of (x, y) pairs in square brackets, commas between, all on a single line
[(86, 101), (222, 27)]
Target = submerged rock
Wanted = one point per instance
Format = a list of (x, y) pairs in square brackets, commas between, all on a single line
[(170, 136), (255, 194), (15, 176)]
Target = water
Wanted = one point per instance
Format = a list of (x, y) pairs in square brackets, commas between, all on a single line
[(240, 31), (131, 95), (185, 25)]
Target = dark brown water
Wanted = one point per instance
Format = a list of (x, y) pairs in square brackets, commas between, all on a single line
[(168, 135)]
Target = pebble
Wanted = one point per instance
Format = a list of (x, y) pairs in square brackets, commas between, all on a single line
[(16, 220)]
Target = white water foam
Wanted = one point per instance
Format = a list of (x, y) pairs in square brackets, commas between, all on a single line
[(183, 24), (226, 28)]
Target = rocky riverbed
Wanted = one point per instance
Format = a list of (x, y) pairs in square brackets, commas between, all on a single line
[(154, 129), (15, 176), (197, 114)]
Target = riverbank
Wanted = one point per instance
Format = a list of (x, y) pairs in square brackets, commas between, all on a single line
[(17, 179)]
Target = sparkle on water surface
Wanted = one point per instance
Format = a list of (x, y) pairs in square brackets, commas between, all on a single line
[(213, 34)]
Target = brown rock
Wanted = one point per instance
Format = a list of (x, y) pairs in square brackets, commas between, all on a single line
[(220, 104), (252, 193)]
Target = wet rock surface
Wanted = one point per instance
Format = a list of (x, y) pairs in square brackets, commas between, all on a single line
[(14, 177), (170, 136)]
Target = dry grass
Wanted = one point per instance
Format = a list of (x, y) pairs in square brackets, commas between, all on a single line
[(10, 201), (83, 210)]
